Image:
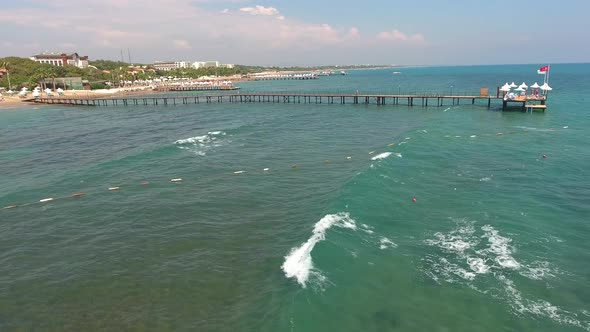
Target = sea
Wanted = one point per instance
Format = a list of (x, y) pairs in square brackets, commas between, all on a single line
[(303, 217)]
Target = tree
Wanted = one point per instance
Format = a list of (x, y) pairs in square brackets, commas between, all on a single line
[(6, 66), (52, 73)]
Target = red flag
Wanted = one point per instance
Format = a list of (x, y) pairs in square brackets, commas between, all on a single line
[(543, 70)]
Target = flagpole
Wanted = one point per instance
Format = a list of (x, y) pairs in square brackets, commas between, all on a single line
[(547, 76)]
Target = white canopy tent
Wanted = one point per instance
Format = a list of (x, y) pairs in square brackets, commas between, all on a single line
[(546, 87), (505, 87), (523, 85), (535, 86), (512, 85)]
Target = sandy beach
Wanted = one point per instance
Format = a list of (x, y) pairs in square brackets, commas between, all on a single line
[(15, 101), (11, 102)]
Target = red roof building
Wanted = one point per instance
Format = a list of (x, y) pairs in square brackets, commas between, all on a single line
[(62, 59)]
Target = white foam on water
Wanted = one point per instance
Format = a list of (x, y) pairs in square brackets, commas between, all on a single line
[(485, 179), (540, 308), (495, 258), (478, 265), (473, 136), (367, 229), (239, 172), (447, 270), (500, 246), (446, 109), (424, 131), (507, 262), (565, 127), (381, 156), (386, 243), (456, 241), (408, 138), (402, 143), (200, 144), (298, 263), (538, 271), (193, 140)]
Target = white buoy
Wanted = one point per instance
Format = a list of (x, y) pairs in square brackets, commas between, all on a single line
[(239, 172), (46, 200), (114, 188), (176, 180), (266, 169)]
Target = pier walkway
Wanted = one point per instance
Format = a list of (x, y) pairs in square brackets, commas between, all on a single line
[(180, 88), (297, 98)]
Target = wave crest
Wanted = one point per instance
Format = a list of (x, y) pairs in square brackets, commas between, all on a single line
[(298, 263)]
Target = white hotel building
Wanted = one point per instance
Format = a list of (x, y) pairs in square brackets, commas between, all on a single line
[(169, 65), (61, 59)]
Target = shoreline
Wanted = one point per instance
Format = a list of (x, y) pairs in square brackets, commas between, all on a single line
[(14, 102)]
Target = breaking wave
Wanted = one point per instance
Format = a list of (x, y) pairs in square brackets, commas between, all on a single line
[(298, 264), (468, 252), (201, 144)]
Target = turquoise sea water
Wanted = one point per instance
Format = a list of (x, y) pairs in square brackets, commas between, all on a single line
[(326, 239)]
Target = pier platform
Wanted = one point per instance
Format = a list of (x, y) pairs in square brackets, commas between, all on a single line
[(297, 98)]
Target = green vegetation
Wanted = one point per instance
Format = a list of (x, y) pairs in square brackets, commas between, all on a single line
[(26, 72)]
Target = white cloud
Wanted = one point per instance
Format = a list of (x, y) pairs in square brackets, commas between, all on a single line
[(181, 44), (399, 36), (165, 28), (260, 10)]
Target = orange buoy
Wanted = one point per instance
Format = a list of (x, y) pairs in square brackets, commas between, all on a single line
[(414, 199), (77, 194), (10, 207)]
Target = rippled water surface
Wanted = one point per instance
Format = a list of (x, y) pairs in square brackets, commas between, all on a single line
[(302, 217)]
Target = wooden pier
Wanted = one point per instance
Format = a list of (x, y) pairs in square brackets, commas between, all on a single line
[(283, 77), (196, 88), (296, 98)]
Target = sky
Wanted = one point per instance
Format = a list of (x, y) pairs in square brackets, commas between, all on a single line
[(301, 32)]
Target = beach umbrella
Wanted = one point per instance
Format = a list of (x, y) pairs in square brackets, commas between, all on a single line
[(520, 88), (523, 85), (535, 86), (512, 85), (505, 88), (546, 87)]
